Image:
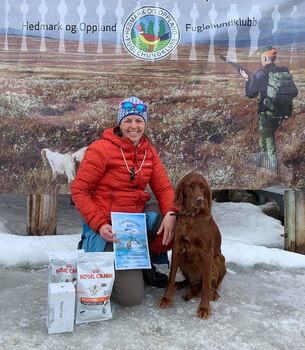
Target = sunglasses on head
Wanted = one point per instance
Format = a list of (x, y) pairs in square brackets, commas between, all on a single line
[(128, 106)]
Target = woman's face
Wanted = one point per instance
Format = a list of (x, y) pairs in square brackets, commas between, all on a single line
[(133, 127)]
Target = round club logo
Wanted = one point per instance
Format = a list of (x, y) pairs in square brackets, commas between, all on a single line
[(150, 33)]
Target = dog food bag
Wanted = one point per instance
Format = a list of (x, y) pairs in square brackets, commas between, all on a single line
[(95, 278), (63, 266)]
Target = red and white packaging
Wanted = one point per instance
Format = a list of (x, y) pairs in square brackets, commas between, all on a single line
[(63, 266), (95, 278), (61, 307)]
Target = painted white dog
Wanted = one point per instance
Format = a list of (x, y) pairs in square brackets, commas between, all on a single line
[(63, 163)]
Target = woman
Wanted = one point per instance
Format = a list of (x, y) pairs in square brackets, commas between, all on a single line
[(112, 177)]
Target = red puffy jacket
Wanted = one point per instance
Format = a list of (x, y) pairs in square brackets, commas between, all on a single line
[(103, 184)]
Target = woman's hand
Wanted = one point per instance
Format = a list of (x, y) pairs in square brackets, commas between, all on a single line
[(167, 226), (106, 233)]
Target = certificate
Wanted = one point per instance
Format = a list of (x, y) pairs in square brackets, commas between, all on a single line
[(131, 250)]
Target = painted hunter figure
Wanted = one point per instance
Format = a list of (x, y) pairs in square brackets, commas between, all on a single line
[(276, 90)]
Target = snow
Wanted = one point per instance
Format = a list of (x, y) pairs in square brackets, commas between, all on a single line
[(249, 237), (261, 304)]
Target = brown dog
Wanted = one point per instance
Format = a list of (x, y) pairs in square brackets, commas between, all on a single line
[(197, 242)]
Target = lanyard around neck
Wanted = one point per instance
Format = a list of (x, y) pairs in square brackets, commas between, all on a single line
[(132, 171)]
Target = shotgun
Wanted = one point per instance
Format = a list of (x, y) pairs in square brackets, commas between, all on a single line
[(236, 66)]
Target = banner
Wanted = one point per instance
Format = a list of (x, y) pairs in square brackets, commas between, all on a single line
[(66, 65)]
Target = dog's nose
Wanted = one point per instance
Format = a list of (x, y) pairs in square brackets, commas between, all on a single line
[(200, 200)]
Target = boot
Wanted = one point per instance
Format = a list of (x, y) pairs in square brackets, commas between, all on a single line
[(152, 277), (273, 163), (258, 159)]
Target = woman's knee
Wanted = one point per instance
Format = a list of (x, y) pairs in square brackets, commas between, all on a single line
[(129, 298), (128, 289)]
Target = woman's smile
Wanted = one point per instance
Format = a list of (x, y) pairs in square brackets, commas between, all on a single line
[(133, 127)]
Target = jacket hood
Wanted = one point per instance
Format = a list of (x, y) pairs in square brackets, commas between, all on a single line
[(112, 136)]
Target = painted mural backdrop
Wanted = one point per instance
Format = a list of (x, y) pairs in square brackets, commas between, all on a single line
[(65, 65)]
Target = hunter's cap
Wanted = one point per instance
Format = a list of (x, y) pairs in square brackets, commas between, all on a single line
[(269, 51), (132, 106)]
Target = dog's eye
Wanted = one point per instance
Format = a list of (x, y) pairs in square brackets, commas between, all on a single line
[(190, 185)]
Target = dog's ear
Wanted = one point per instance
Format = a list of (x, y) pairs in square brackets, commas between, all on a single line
[(208, 195), (179, 195)]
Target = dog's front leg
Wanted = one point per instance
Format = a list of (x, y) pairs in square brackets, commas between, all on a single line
[(203, 310), (167, 298)]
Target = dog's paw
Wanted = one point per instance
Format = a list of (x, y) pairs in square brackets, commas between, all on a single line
[(203, 312), (187, 296), (214, 295), (182, 284), (165, 302)]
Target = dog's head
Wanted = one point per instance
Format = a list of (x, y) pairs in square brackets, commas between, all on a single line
[(193, 193)]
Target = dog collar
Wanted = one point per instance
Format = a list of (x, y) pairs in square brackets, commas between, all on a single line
[(189, 214)]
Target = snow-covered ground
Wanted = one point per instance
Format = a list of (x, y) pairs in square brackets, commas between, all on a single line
[(261, 304)]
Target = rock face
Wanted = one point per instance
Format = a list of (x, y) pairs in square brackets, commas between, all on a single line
[(242, 196), (272, 209)]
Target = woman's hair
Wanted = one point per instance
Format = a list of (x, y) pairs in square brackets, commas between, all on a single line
[(118, 131)]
